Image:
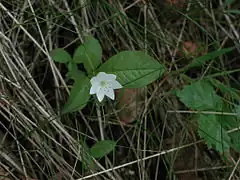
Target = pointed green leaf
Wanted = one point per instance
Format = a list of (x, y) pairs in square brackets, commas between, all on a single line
[(73, 72), (134, 69), (233, 11), (87, 159), (102, 148), (79, 95), (89, 53), (199, 96), (212, 132), (197, 62), (228, 2), (60, 55)]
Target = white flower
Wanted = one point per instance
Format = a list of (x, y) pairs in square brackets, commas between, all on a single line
[(104, 84)]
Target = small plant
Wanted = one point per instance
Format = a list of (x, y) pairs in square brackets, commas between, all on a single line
[(135, 69), (126, 69), (218, 129)]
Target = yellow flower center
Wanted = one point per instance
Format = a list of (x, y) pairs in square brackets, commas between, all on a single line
[(103, 83)]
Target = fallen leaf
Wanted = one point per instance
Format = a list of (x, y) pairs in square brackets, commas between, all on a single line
[(129, 104), (4, 174), (190, 48)]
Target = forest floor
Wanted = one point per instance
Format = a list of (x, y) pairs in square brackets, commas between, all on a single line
[(157, 135)]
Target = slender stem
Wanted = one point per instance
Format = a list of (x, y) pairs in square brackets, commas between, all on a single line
[(99, 116)]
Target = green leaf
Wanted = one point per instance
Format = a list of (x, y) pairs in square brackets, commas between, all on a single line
[(102, 148), (73, 72), (235, 139), (230, 123), (228, 2), (134, 69), (72, 66), (199, 96), (87, 159), (212, 132), (79, 95), (60, 55), (235, 124), (89, 53), (225, 89), (233, 11), (197, 62)]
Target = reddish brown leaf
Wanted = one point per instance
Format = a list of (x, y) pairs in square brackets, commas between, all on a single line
[(129, 104)]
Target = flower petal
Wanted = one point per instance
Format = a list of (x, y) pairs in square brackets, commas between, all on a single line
[(100, 95), (110, 77), (115, 84), (106, 77), (109, 93), (94, 88), (94, 80), (101, 75)]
